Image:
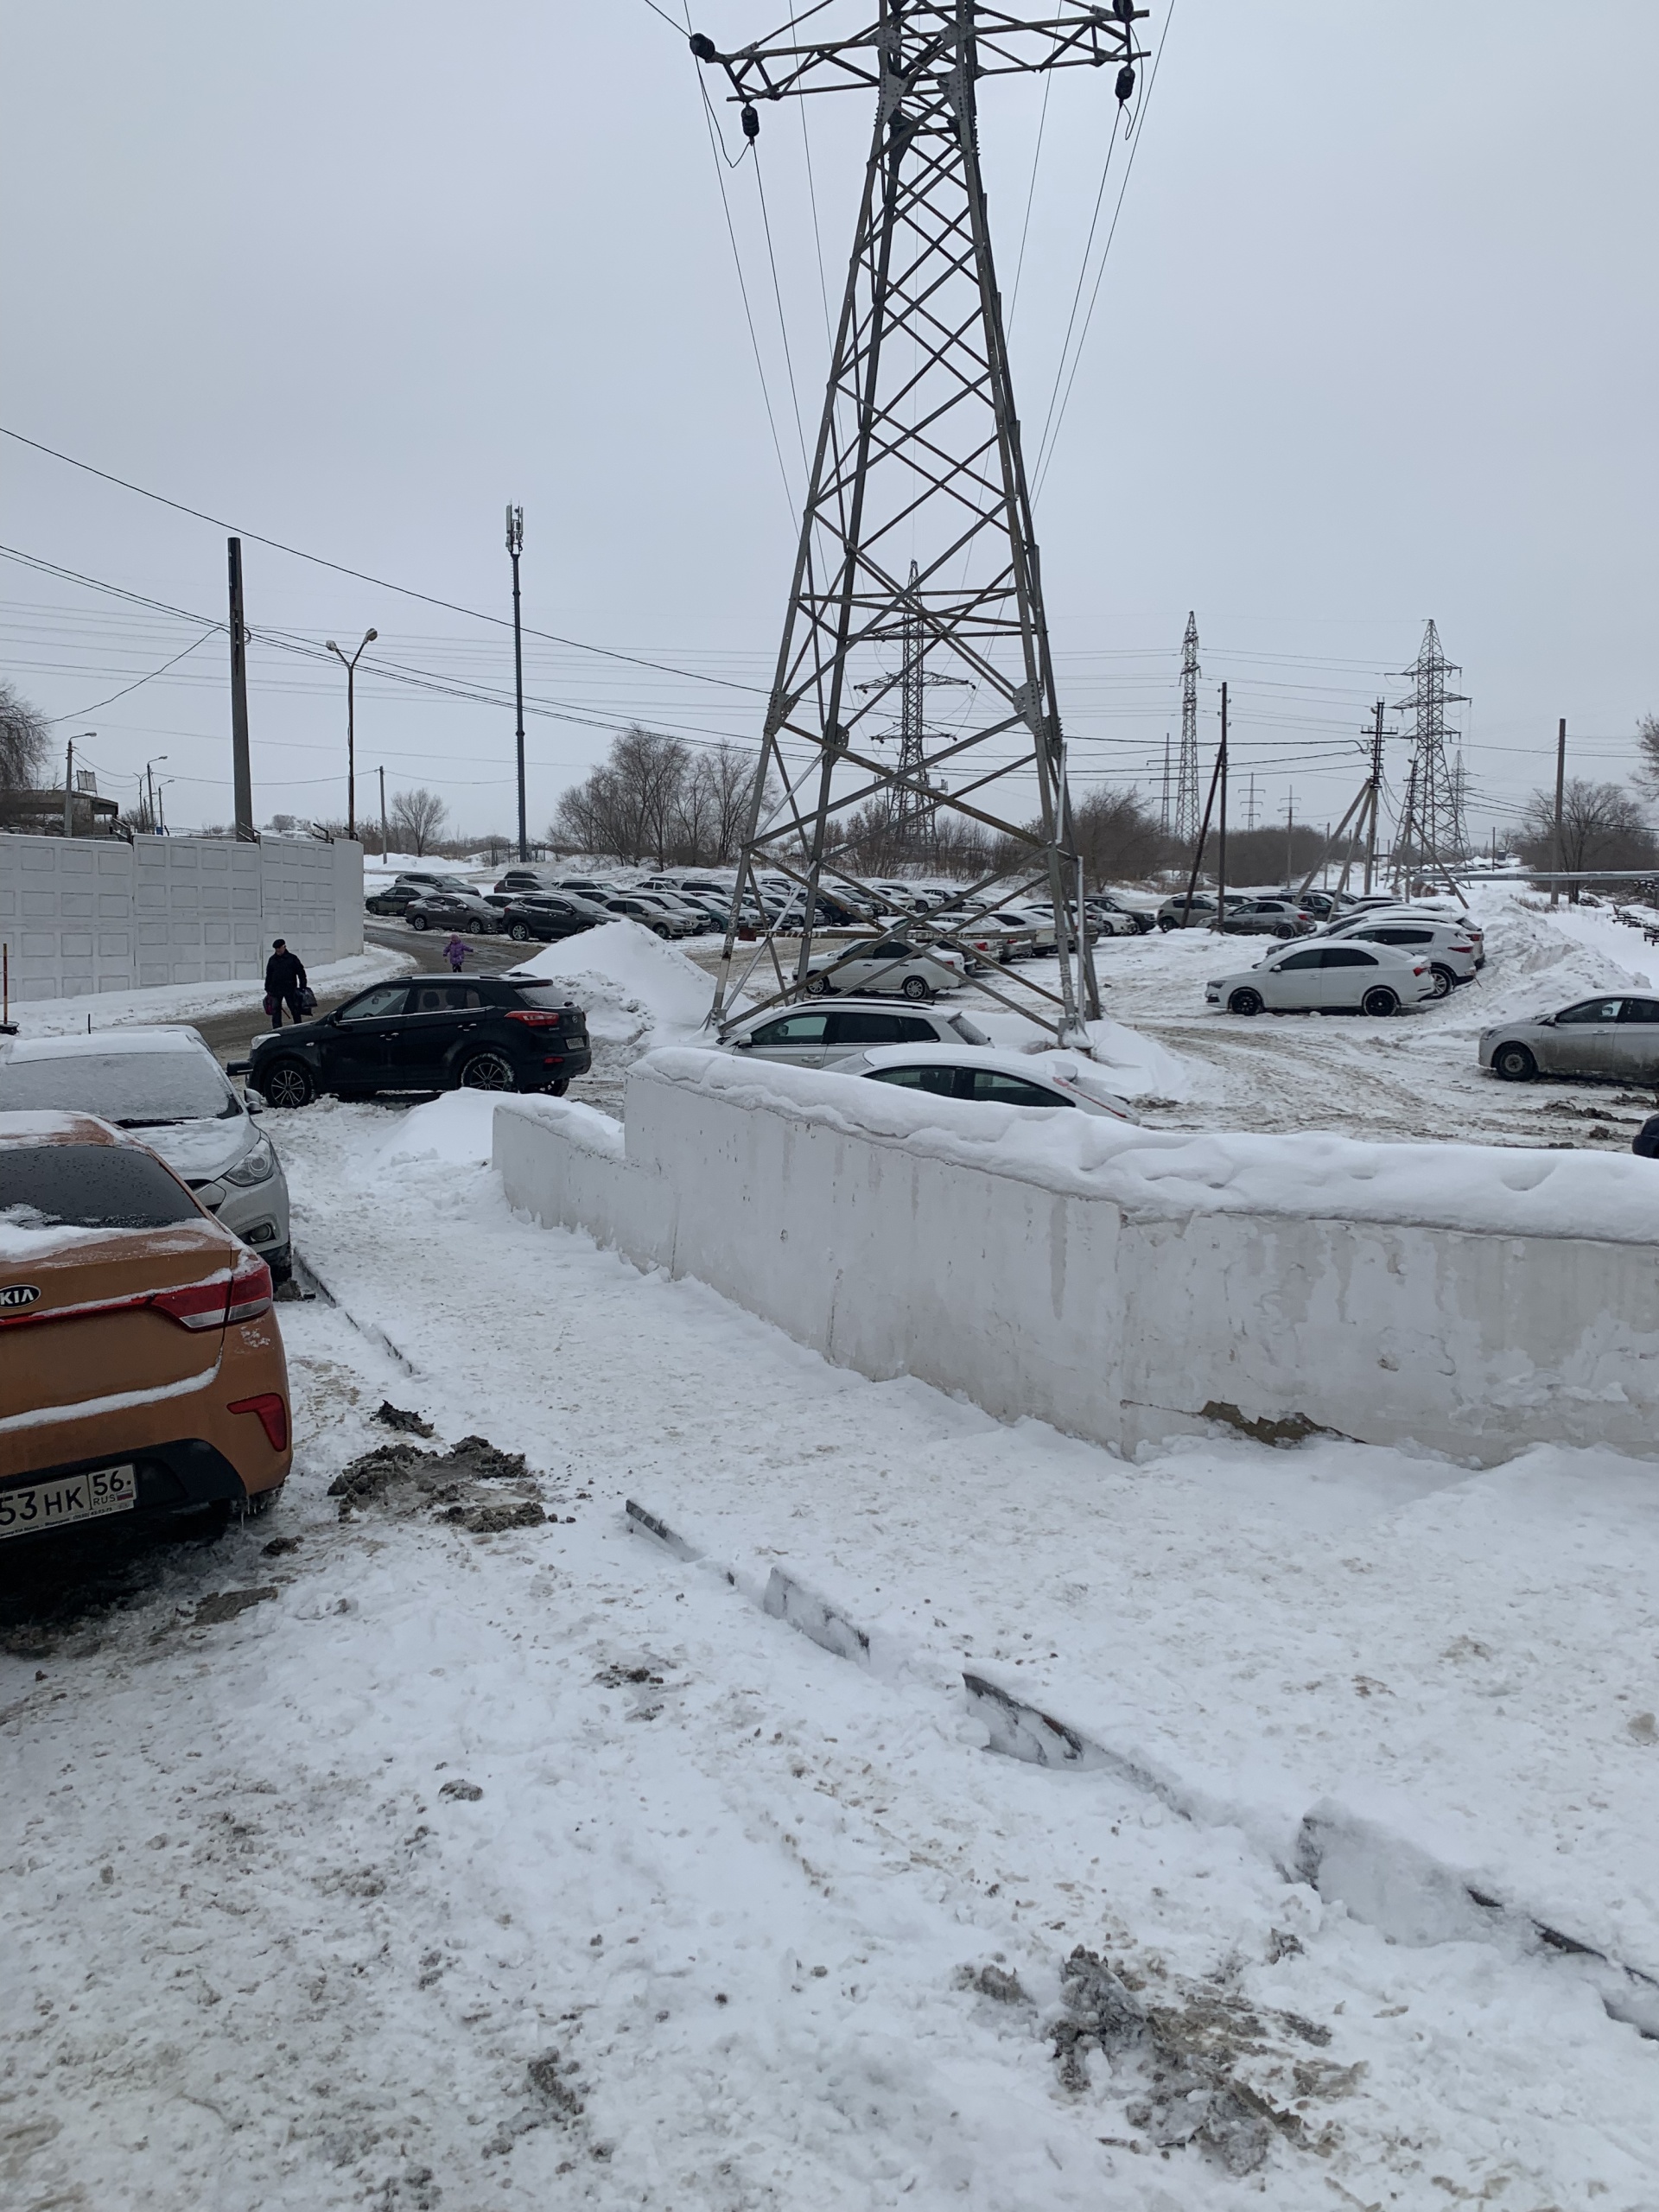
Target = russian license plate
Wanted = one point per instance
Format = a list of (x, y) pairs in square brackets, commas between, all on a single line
[(63, 1499)]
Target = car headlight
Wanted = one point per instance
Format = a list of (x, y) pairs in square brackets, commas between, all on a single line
[(256, 1165)]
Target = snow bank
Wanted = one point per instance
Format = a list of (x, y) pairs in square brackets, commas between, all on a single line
[(636, 989), (1138, 1065)]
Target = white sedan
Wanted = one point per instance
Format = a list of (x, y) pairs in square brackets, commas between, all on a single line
[(987, 1078), (1375, 979), (889, 966)]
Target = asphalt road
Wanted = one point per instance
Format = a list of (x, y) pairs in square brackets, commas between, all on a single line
[(228, 1034)]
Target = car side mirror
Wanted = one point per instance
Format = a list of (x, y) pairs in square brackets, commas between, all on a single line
[(745, 1044)]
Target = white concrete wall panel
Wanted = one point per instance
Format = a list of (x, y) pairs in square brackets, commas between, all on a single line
[(1113, 1323), (85, 915)]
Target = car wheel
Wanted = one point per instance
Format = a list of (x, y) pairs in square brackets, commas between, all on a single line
[(519, 933), (1379, 1001), (416, 921), (488, 1071), (1168, 922), (1245, 1001), (818, 986), (557, 1088), (916, 987), (1284, 929), (1445, 980), (474, 929), (287, 1082), (1513, 1063), (662, 930)]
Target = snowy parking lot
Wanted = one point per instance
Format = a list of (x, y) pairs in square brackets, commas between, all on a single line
[(444, 1840)]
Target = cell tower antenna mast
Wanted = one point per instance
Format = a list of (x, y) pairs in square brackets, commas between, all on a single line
[(1186, 775), (918, 447)]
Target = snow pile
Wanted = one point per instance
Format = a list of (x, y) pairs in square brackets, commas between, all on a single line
[(1539, 961), (638, 991), (1310, 1176), (453, 1128), (1138, 1065)]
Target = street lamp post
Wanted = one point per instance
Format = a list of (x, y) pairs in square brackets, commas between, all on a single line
[(147, 784), (350, 667), (515, 547)]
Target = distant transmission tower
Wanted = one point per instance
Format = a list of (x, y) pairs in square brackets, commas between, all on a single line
[(912, 800), (1434, 830), (918, 448), (1188, 801)]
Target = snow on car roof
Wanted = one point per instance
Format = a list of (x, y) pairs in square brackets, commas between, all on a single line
[(155, 1038), (37, 1127)]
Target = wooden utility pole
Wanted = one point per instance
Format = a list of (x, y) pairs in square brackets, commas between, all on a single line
[(69, 789), (385, 847), (1561, 794), (1221, 823), (241, 771)]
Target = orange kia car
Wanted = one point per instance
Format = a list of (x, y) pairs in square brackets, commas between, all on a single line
[(140, 1367)]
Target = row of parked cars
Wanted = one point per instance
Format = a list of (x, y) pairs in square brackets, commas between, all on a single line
[(1372, 957)]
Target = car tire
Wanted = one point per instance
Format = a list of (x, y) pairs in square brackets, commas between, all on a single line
[(818, 986), (287, 1083), (416, 921), (916, 987), (519, 933), (662, 930), (1284, 929), (489, 1072), (1445, 981), (1168, 922), (474, 929), (557, 1088), (1514, 1063), (1245, 1001), (1379, 1002)]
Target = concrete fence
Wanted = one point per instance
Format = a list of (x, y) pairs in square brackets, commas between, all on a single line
[(87, 914), (1128, 1285)]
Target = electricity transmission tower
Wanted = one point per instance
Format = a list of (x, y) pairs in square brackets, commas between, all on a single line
[(918, 457), (1186, 778), (912, 802), (1433, 828)]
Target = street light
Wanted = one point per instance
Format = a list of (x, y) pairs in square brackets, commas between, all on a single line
[(515, 547), (147, 781), (350, 667)]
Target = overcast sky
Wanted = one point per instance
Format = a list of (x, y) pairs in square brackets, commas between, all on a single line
[(1377, 339)]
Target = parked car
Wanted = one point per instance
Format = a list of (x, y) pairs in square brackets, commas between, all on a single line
[(1267, 918), (1447, 916), (816, 1037), (403, 890), (517, 880), (1112, 921), (1617, 1037), (890, 965), (463, 911), (140, 1367), (1373, 979), (165, 1084), (655, 918), (546, 918), (474, 1032), (1326, 905), (1178, 912), (1449, 950), (990, 1078), (1142, 915)]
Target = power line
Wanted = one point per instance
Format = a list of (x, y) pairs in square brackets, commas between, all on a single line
[(78, 712)]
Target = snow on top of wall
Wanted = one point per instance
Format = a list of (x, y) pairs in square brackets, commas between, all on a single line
[(629, 981), (1311, 1175)]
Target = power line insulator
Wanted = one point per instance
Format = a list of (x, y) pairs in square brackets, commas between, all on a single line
[(1124, 10), (751, 122), (703, 47), (1125, 83)]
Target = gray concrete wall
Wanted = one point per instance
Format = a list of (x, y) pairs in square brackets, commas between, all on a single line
[(83, 915)]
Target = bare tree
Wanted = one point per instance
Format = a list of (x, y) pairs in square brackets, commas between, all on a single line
[(25, 741), (1647, 738), (416, 820), (1601, 826), (631, 807)]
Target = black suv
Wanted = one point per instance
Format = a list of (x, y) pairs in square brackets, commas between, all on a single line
[(546, 916), (476, 1033)]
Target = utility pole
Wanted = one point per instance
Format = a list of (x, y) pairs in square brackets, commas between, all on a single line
[(241, 771), (1250, 803), (515, 547), (350, 667), (1375, 796), (1290, 832), (1163, 812), (385, 847), (69, 789), (1221, 823), (1560, 795)]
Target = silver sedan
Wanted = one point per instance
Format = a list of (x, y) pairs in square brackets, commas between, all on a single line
[(1616, 1038)]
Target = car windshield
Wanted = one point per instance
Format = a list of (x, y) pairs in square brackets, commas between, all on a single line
[(88, 1186), (136, 1090)]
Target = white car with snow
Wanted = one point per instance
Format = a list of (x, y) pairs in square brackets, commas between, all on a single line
[(1450, 949), (816, 1037), (1044, 1080), (890, 966), (1326, 978)]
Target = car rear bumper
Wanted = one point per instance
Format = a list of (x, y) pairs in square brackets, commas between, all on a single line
[(177, 1476)]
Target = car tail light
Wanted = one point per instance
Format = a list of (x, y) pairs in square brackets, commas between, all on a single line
[(273, 1417), (535, 1021), (251, 1290), (195, 1304), (1462, 948), (1418, 971)]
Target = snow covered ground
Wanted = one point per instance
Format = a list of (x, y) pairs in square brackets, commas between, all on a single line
[(408, 1866)]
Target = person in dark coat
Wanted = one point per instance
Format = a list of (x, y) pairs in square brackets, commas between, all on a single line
[(284, 980), (1645, 1142)]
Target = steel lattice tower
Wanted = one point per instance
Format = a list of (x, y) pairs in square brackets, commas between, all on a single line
[(913, 799), (918, 455), (1433, 826), (1188, 805)]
